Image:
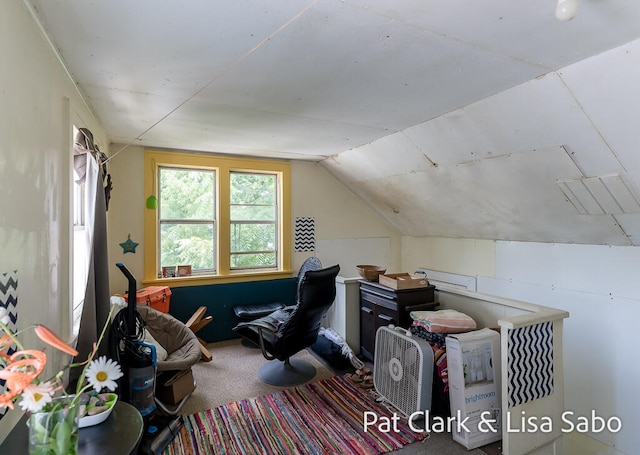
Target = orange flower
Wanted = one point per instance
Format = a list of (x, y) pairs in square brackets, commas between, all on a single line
[(6, 399), (54, 340), (22, 369), (5, 343)]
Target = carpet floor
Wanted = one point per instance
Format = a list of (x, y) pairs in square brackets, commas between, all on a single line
[(325, 417), (232, 376)]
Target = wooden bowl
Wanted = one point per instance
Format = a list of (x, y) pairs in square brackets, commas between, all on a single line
[(370, 272)]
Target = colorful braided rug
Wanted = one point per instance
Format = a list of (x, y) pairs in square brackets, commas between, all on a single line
[(326, 417)]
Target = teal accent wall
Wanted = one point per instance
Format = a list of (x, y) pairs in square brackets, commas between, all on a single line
[(220, 300)]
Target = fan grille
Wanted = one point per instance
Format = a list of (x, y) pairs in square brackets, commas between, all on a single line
[(403, 369)]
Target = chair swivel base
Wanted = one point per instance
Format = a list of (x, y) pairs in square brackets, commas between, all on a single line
[(288, 373)]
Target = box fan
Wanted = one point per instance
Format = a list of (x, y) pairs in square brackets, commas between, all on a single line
[(403, 369)]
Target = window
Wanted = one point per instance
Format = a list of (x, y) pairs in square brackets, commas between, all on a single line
[(80, 258), (254, 216), (217, 217), (187, 219)]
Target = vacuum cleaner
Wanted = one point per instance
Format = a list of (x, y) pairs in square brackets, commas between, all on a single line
[(137, 358), (138, 361)]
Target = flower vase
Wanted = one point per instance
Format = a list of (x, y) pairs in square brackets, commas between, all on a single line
[(54, 433)]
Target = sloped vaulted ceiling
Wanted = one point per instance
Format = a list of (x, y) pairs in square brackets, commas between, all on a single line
[(480, 119), (551, 160)]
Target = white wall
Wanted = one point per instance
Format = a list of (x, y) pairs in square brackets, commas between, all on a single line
[(348, 232), (126, 214), (464, 256), (38, 105), (597, 285)]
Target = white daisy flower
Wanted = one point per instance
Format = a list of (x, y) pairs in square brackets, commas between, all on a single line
[(103, 372), (4, 316), (36, 396)]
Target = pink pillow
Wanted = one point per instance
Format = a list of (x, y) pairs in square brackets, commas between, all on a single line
[(444, 321)]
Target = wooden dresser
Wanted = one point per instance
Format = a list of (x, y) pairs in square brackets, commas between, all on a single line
[(381, 305)]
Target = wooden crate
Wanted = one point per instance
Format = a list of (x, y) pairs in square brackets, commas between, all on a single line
[(403, 281)]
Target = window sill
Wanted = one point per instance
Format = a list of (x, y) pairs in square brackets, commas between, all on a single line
[(235, 277)]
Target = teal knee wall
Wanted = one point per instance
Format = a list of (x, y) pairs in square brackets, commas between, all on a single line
[(220, 300)]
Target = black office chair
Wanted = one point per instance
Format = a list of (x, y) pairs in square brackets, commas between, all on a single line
[(252, 312), (287, 331)]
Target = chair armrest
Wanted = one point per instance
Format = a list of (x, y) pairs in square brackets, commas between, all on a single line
[(271, 326), (272, 322)]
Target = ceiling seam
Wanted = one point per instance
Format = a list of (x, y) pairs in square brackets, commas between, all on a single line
[(566, 86), (461, 41), (224, 72), (43, 31)]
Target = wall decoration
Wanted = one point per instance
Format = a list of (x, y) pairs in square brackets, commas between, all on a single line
[(184, 270), (9, 301), (530, 363), (305, 234), (129, 246), (169, 271)]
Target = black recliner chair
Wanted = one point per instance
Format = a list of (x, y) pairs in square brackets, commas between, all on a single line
[(287, 331), (252, 312)]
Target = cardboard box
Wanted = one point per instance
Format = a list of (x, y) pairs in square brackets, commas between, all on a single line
[(157, 297), (403, 281), (473, 364), (173, 386)]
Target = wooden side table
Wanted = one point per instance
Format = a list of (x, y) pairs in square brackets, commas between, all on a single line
[(120, 434)]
